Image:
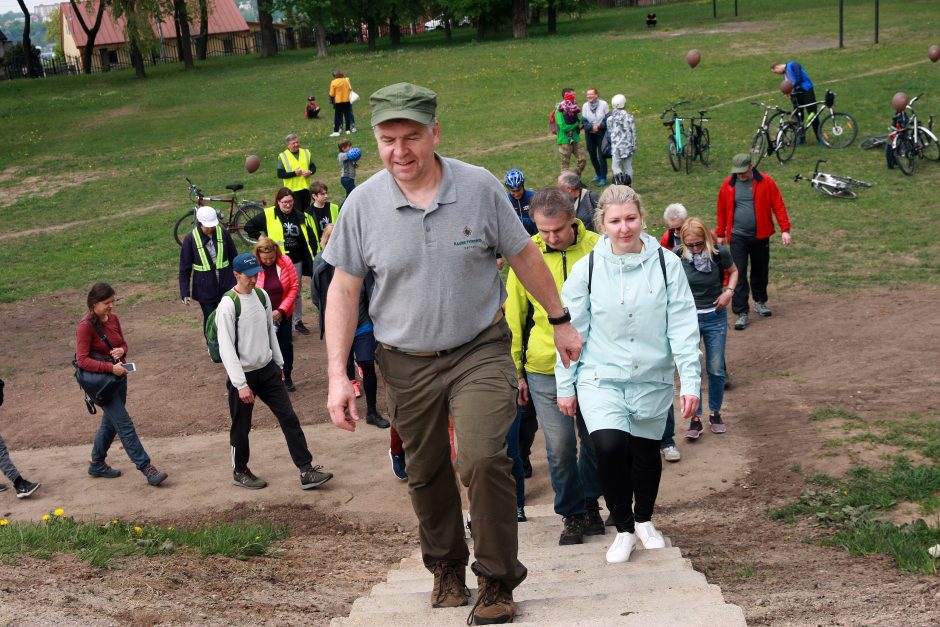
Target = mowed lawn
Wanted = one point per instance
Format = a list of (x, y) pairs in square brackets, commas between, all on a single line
[(109, 153)]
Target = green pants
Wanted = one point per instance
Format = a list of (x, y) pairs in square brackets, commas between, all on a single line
[(476, 385)]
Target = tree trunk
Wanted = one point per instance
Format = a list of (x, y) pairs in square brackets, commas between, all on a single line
[(90, 33), (481, 28), (268, 36), (520, 29), (184, 40), (33, 67), (552, 19), (372, 27), (536, 16), (137, 59), (319, 34), (202, 44), (449, 30), (394, 28)]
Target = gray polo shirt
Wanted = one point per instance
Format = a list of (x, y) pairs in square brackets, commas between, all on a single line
[(436, 281)]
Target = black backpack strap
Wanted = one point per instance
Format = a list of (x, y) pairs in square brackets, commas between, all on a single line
[(104, 338), (662, 264), (590, 269)]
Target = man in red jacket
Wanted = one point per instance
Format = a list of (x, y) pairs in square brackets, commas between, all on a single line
[(745, 203)]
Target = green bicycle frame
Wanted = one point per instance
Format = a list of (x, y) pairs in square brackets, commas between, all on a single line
[(677, 131)]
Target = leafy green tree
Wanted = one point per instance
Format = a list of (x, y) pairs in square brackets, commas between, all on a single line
[(314, 14), (90, 33), (184, 44), (54, 33), (138, 32), (266, 20)]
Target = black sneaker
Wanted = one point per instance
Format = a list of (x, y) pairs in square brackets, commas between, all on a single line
[(573, 533), (4, 487), (301, 328), (26, 488), (289, 384), (154, 476), (520, 514), (314, 478), (247, 479), (103, 470), (375, 419), (593, 523)]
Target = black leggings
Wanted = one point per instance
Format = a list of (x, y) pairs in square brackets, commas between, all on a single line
[(629, 467), (370, 381)]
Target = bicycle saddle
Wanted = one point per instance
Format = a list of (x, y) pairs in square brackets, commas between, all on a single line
[(702, 111), (235, 187)]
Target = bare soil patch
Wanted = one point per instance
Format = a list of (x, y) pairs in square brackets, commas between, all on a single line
[(870, 352), (34, 186)]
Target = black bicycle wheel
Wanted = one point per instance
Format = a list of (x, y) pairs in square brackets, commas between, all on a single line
[(836, 192), (675, 157), (786, 142), (759, 147), (246, 211), (929, 147), (906, 155), (184, 225), (838, 130), (873, 142), (689, 155), (705, 147)]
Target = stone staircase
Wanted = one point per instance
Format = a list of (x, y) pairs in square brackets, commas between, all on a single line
[(566, 586)]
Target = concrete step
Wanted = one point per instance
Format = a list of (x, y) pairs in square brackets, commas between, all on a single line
[(563, 575), (620, 608), (655, 590)]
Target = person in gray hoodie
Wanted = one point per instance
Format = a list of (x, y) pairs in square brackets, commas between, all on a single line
[(631, 302)]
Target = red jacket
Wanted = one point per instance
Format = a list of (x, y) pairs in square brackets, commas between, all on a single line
[(288, 277), (767, 198), (87, 341)]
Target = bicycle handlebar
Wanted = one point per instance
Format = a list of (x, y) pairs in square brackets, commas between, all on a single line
[(673, 109), (913, 100)]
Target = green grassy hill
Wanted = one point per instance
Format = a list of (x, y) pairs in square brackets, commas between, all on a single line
[(110, 153)]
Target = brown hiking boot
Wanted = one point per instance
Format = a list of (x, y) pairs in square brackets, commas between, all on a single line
[(494, 603), (450, 587)]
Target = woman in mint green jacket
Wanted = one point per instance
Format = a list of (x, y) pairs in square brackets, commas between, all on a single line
[(634, 308)]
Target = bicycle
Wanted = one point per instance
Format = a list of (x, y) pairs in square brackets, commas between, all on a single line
[(763, 144), (875, 141), (832, 185), (915, 140), (675, 141), (239, 212), (698, 144), (836, 130)]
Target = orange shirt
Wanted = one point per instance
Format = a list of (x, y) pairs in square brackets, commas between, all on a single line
[(339, 89)]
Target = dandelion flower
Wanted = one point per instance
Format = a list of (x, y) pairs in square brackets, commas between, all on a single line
[(4, 522), (45, 516), (59, 512), (137, 529), (257, 538), (169, 528)]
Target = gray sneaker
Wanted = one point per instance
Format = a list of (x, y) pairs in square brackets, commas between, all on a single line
[(247, 479), (741, 323), (762, 310), (314, 478)]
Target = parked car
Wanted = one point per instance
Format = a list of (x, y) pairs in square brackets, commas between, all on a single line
[(434, 24)]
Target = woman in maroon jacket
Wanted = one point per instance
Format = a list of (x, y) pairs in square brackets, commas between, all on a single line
[(100, 347)]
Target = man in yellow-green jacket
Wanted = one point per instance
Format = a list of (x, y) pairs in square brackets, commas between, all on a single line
[(563, 239)]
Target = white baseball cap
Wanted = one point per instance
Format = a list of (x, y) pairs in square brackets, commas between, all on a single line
[(207, 216)]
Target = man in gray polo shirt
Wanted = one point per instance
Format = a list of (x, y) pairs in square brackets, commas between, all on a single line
[(429, 229)]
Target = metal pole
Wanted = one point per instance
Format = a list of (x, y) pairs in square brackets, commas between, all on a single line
[(841, 41), (876, 21)]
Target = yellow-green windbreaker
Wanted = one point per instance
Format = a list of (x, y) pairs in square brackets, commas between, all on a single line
[(533, 340)]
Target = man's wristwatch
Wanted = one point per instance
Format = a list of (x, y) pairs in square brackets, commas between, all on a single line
[(563, 318)]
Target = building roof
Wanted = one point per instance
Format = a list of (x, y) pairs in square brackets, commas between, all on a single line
[(224, 17)]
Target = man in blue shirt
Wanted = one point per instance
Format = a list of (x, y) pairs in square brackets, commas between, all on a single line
[(802, 93)]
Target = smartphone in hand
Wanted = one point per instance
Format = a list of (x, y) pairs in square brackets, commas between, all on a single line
[(130, 367)]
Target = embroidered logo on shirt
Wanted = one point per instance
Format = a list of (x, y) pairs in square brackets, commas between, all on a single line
[(468, 242)]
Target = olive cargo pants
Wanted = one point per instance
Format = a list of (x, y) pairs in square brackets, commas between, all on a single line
[(476, 385)]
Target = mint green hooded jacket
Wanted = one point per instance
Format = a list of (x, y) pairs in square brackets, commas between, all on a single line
[(637, 330)]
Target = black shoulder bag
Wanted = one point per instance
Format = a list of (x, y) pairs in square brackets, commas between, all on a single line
[(99, 387)]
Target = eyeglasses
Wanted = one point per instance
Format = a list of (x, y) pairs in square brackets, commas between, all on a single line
[(694, 244)]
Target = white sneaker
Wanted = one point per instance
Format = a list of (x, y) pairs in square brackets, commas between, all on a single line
[(649, 536), (622, 547), (334, 134), (670, 454), (354, 129), (348, 132)]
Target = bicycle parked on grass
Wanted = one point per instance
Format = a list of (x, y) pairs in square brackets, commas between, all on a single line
[(836, 129), (914, 141), (766, 136), (832, 185), (675, 142), (698, 143), (239, 212)]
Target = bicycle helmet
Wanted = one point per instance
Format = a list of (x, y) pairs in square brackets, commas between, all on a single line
[(353, 154), (622, 178), (619, 101), (514, 179)]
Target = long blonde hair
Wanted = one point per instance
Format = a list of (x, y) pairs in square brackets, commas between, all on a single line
[(696, 228), (265, 244)]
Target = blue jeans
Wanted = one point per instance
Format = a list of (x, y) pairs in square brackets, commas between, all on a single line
[(116, 421), (348, 184), (512, 450), (669, 435), (574, 476), (713, 328)]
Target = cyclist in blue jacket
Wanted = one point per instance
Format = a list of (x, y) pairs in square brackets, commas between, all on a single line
[(519, 198), (802, 93)]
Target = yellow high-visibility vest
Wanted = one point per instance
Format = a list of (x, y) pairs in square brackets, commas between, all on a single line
[(290, 163), (274, 229), (220, 260)]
